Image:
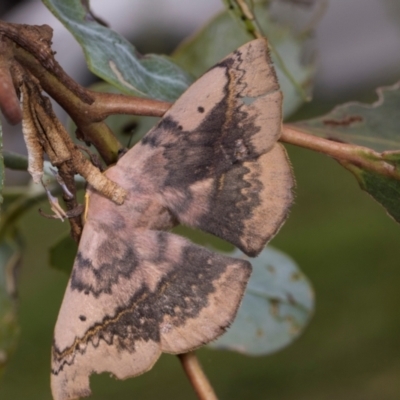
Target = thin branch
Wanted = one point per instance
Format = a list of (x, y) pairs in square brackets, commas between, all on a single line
[(362, 157), (291, 134), (9, 103), (36, 40), (196, 376), (106, 104), (97, 133), (245, 16)]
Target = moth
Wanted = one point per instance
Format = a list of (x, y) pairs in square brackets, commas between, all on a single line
[(136, 289)]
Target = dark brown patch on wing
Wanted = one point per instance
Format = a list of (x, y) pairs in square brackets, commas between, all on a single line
[(104, 275), (181, 294), (115, 258), (216, 152)]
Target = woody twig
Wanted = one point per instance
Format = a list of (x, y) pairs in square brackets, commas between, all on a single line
[(196, 376), (45, 134)]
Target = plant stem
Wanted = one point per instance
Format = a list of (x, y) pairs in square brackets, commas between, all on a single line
[(107, 104), (9, 103), (196, 376), (245, 16), (362, 157), (73, 102)]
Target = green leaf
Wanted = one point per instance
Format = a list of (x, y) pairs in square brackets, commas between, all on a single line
[(373, 126), (223, 35), (114, 59), (10, 257), (277, 305), (15, 161), (376, 125), (62, 254), (385, 190)]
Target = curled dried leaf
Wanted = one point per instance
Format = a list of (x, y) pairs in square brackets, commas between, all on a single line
[(53, 142), (31, 137), (9, 103)]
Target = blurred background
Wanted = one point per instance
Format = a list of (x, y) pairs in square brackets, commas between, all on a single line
[(342, 240)]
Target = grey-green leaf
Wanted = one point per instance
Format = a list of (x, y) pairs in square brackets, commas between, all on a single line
[(223, 35), (278, 304), (376, 125), (114, 59), (385, 190), (10, 257), (62, 254), (15, 161)]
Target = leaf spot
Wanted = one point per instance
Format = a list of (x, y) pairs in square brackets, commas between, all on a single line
[(295, 276), (274, 307), (343, 122), (271, 269), (291, 299), (121, 79)]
